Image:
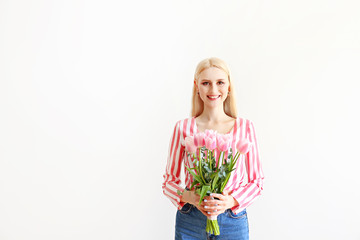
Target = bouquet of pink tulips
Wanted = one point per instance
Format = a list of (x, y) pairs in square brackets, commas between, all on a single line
[(211, 175)]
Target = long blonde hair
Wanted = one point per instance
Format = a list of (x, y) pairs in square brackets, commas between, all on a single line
[(229, 103)]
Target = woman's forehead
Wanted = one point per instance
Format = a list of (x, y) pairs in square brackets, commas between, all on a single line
[(213, 74)]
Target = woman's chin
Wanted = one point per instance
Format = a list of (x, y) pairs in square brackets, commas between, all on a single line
[(213, 104)]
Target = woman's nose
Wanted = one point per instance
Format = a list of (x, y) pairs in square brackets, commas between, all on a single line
[(213, 88)]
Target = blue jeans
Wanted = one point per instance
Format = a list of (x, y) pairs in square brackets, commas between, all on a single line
[(191, 224)]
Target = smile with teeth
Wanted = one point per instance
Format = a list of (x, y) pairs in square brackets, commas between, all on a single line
[(213, 96)]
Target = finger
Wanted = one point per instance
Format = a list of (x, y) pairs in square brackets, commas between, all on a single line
[(217, 207), (211, 204), (219, 196), (206, 213), (208, 201), (212, 213), (207, 207), (210, 208), (208, 198), (216, 213)]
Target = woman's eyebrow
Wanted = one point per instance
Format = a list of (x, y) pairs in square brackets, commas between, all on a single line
[(220, 79)]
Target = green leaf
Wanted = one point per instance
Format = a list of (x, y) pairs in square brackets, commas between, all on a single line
[(212, 175), (224, 183), (198, 191), (196, 177), (193, 184), (204, 189), (215, 181)]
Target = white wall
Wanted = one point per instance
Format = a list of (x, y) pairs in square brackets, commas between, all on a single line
[(90, 92)]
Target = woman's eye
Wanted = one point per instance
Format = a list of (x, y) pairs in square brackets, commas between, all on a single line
[(221, 83), (205, 83)]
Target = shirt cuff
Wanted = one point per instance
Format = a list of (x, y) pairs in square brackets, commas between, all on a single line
[(179, 203), (236, 207)]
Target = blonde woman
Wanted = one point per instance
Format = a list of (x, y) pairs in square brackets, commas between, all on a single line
[(213, 107)]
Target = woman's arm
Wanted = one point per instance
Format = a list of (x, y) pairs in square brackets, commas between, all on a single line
[(172, 181), (245, 195)]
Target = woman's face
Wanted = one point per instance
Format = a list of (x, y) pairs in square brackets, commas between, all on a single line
[(213, 86)]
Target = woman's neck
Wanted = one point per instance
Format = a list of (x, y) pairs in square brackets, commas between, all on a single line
[(214, 115)]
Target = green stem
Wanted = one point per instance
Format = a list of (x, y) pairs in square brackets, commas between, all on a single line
[(201, 175), (209, 158), (212, 155), (236, 155)]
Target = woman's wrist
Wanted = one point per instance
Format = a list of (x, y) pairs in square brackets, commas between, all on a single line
[(184, 196), (187, 197), (235, 202)]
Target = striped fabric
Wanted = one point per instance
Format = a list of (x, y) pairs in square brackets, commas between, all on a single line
[(245, 183)]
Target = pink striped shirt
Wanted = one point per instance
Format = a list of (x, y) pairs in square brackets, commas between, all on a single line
[(245, 183)]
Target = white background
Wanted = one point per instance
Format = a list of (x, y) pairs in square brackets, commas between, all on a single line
[(90, 92)]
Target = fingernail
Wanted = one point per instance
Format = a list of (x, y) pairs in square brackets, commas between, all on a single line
[(215, 210), (215, 204), (211, 194), (205, 200), (206, 207), (208, 212)]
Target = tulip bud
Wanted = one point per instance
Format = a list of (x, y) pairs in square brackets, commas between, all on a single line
[(199, 139), (189, 144), (243, 146), (210, 143), (224, 142)]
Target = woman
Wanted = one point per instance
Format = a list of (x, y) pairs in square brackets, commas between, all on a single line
[(213, 108)]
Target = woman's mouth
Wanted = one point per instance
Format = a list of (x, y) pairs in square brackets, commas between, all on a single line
[(213, 97)]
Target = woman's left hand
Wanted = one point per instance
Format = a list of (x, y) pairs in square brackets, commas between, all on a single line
[(215, 207)]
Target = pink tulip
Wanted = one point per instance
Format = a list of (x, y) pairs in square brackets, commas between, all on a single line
[(199, 139), (243, 146), (210, 143), (223, 142), (210, 133), (189, 144), (210, 139)]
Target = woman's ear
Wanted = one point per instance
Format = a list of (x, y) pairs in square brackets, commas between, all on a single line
[(196, 87)]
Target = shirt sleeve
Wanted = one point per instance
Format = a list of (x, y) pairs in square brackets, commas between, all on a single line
[(172, 181), (245, 195)]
